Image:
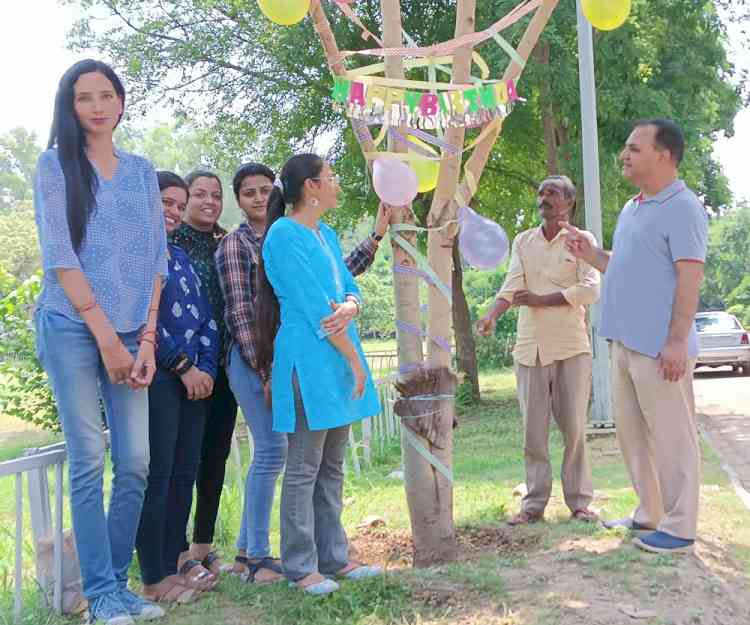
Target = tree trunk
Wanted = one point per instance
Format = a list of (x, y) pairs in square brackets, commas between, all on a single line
[(466, 347), (429, 491), (549, 125), (479, 157), (440, 546)]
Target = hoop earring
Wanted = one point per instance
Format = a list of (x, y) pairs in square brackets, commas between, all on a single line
[(315, 202)]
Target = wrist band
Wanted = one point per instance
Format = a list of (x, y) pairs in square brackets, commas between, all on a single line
[(377, 237), (86, 307), (147, 340)]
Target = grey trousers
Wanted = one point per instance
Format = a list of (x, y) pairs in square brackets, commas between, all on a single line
[(312, 537), (560, 390)]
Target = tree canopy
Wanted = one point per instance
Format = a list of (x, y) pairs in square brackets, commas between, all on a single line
[(264, 89)]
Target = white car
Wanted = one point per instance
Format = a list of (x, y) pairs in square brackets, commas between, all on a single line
[(723, 341)]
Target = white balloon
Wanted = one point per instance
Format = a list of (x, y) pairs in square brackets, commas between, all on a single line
[(483, 243), (395, 182)]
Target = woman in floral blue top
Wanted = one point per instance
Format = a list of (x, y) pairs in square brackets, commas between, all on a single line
[(187, 354), (101, 234)]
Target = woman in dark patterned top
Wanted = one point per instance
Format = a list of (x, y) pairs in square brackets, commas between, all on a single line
[(237, 264), (199, 236), (186, 356)]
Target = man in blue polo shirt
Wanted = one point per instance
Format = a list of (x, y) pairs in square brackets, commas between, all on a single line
[(649, 300)]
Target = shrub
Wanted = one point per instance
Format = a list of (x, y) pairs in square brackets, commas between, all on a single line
[(24, 392)]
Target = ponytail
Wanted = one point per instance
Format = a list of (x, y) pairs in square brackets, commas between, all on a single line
[(267, 315), (287, 191)]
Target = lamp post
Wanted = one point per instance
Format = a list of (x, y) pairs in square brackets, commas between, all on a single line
[(601, 406)]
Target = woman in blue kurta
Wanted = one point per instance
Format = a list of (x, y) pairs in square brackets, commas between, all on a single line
[(320, 381)]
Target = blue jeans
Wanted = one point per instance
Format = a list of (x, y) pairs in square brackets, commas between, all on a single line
[(70, 356), (269, 456)]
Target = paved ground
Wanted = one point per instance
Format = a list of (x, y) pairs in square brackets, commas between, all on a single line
[(723, 403)]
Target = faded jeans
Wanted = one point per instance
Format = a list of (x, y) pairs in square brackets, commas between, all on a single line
[(70, 356), (269, 456)]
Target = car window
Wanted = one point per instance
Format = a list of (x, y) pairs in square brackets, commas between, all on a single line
[(717, 323)]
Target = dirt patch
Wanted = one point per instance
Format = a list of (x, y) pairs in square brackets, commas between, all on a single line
[(577, 580), (393, 548)]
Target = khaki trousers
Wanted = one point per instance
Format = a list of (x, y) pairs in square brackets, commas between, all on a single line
[(658, 435), (561, 389)]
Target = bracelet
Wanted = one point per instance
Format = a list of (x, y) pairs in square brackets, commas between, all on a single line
[(147, 340), (376, 237), (351, 298), (146, 333), (86, 307)]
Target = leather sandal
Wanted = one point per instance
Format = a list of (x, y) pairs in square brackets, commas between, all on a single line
[(171, 590), (196, 576), (212, 563), (525, 518), (254, 566), (586, 515)]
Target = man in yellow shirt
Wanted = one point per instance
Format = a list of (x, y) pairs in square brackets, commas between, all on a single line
[(552, 354)]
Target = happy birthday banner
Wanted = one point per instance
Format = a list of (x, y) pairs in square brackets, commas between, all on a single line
[(374, 100)]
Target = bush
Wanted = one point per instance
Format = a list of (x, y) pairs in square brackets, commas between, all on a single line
[(496, 351), (24, 392)]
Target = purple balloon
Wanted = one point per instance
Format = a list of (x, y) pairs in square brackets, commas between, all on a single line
[(395, 182), (483, 243)]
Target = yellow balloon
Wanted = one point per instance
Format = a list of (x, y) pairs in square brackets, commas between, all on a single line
[(606, 14), (284, 12), (427, 171)]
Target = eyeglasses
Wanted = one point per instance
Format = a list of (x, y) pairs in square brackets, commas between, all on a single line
[(334, 179)]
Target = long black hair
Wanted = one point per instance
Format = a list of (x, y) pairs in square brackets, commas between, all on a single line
[(293, 175), (68, 135)]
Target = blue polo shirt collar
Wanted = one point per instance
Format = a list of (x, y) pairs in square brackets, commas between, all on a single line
[(667, 193)]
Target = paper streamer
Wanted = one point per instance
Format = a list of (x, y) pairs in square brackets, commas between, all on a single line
[(417, 331), (469, 40), (346, 10), (427, 454)]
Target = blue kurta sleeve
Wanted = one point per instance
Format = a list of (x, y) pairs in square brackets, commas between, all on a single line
[(288, 269), (168, 347), (208, 337), (51, 215)]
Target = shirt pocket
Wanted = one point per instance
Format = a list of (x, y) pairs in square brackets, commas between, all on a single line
[(563, 271)]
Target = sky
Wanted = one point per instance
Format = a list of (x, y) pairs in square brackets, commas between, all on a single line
[(32, 46)]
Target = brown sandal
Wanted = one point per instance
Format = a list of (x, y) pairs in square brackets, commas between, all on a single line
[(196, 576), (212, 563), (525, 518), (171, 590), (585, 514)]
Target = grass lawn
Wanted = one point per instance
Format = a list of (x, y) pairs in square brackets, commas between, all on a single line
[(556, 572), (379, 345)]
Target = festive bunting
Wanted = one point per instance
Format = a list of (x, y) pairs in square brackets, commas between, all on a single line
[(369, 100)]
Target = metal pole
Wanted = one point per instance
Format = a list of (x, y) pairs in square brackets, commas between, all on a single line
[(601, 405)]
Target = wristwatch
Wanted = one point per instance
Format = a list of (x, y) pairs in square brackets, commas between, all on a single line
[(182, 364), (377, 237)]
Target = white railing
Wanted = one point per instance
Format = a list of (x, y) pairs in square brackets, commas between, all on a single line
[(35, 465)]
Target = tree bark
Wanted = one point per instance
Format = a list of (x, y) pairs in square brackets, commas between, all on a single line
[(466, 347), (549, 125)]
